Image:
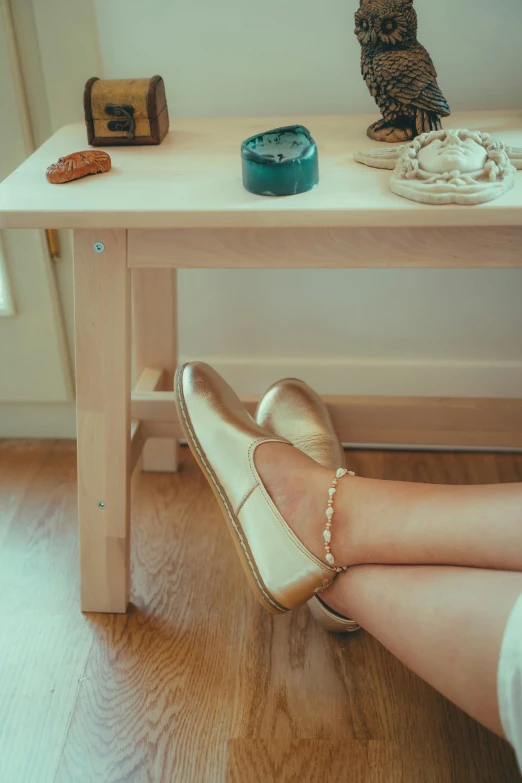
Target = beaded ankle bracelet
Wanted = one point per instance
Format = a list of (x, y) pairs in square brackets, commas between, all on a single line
[(327, 534)]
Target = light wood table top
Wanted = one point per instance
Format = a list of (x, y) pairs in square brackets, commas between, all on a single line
[(193, 180)]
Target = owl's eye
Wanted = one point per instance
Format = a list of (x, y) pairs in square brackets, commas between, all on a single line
[(389, 26)]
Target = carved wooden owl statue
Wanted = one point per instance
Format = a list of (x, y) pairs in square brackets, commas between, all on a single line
[(398, 71)]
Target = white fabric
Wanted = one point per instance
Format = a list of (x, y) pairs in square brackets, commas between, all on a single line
[(510, 680)]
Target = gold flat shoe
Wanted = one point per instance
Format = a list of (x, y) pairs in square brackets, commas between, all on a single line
[(292, 410), (223, 439)]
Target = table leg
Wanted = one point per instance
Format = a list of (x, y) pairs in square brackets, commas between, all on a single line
[(103, 338), (155, 336)]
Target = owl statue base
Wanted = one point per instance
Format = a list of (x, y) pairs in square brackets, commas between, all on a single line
[(388, 132)]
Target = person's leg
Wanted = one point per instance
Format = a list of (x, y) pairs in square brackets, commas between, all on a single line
[(395, 522), (446, 624)]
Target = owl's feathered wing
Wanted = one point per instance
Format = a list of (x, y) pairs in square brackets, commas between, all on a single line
[(409, 77)]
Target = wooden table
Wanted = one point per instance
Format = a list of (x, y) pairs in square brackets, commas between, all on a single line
[(182, 205)]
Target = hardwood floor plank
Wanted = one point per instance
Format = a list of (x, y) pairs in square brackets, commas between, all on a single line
[(159, 687), (44, 640), (309, 761), (18, 462), (197, 683), (39, 556), (42, 661), (372, 761)]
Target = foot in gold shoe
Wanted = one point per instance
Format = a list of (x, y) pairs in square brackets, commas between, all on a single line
[(223, 439), (292, 410)]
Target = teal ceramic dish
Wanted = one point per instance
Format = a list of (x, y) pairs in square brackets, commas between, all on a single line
[(280, 162)]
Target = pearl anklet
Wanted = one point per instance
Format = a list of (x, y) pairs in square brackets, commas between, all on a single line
[(327, 533)]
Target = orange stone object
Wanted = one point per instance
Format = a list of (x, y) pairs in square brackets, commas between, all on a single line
[(77, 165)]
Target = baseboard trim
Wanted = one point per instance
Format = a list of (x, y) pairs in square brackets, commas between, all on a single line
[(386, 421), (374, 376), (44, 420), (426, 421), (443, 412)]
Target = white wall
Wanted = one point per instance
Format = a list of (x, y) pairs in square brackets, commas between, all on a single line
[(375, 331), (54, 69), (367, 331), (232, 57)]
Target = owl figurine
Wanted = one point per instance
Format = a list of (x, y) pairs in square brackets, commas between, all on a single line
[(398, 71)]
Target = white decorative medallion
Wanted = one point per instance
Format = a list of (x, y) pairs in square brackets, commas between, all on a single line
[(448, 167)]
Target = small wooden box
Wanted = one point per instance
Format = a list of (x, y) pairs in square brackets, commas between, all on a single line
[(125, 111)]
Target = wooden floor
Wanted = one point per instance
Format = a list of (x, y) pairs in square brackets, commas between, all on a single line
[(197, 683)]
